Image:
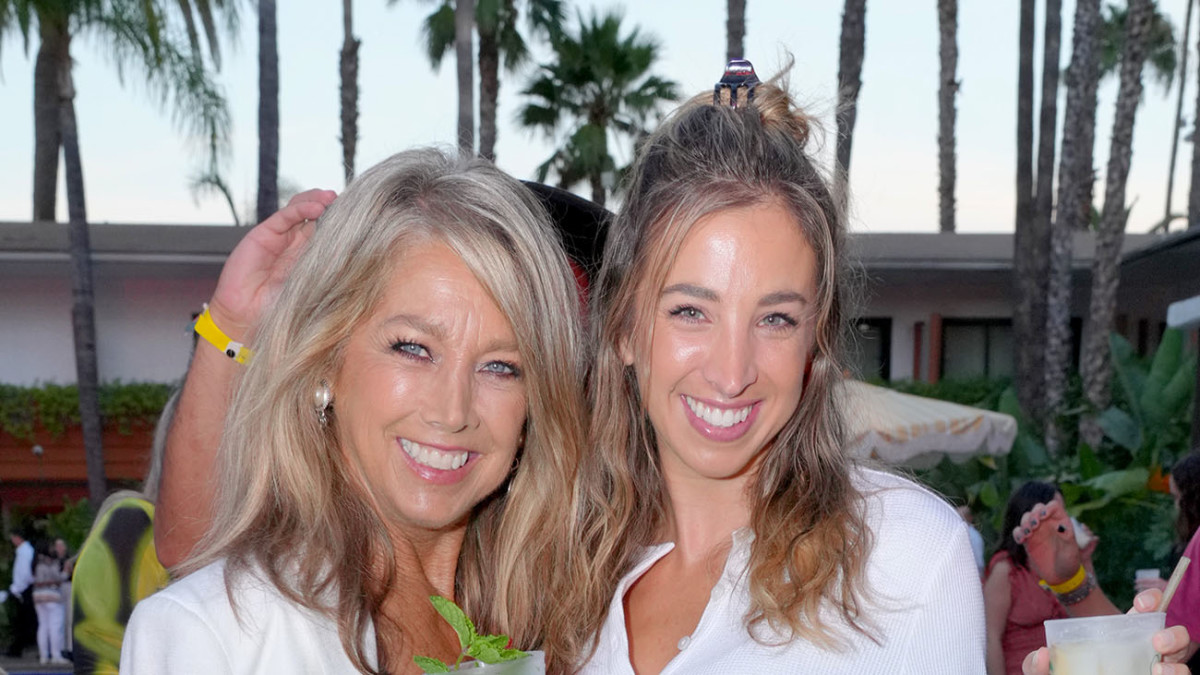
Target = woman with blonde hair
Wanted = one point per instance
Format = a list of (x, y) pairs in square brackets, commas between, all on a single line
[(410, 414), (729, 532)]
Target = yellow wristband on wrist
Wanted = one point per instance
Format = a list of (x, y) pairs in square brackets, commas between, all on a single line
[(1070, 584), (207, 329)]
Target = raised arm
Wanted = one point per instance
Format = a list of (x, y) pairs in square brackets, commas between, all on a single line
[(249, 282)]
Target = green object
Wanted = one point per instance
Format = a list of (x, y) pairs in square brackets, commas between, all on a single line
[(482, 648), (117, 567)]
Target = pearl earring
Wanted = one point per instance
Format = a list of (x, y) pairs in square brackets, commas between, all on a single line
[(322, 399)]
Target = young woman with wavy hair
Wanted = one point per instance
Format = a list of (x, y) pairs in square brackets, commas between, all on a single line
[(728, 531), (411, 413)]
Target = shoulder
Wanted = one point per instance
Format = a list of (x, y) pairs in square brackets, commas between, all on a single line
[(206, 597), (894, 504)]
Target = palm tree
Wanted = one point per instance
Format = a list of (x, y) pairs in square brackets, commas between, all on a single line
[(116, 23), (349, 72), (500, 40), (1096, 361), (599, 83), (850, 62), (1028, 317), (268, 112), (735, 30), (464, 33), (1184, 51), (1072, 209), (140, 37), (947, 90)]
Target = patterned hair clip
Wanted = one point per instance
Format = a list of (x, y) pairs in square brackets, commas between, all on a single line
[(738, 73)]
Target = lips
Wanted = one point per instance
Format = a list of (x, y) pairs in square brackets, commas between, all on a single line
[(719, 423), (434, 457)]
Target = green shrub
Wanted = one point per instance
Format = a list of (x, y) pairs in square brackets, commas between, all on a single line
[(55, 407)]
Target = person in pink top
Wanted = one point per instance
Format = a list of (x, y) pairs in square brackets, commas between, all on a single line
[(1185, 607)]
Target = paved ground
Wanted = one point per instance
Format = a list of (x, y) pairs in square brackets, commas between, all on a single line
[(29, 664)]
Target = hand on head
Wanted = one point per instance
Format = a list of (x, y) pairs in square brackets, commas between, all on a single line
[(1049, 540), (255, 270)]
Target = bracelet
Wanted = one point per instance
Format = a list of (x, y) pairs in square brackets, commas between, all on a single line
[(1070, 584), (1072, 597), (207, 329)]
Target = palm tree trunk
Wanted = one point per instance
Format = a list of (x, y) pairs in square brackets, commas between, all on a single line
[(52, 58), (268, 111), (83, 319), (1096, 360), (464, 28), (1082, 77), (850, 62), (489, 88), (1043, 202), (1194, 190), (948, 89), (735, 29), (1183, 61), (349, 70), (1024, 243)]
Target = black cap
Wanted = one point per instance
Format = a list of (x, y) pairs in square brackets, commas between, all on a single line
[(582, 224)]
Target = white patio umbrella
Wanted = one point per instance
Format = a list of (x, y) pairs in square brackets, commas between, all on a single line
[(916, 431)]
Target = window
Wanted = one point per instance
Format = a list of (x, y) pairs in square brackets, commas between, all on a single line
[(871, 348), (977, 348)]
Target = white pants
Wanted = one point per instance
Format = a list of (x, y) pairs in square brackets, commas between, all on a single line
[(50, 629)]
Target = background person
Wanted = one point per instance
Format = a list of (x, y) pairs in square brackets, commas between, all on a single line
[(117, 565), (48, 603), (24, 621)]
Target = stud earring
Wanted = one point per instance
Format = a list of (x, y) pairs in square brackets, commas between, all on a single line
[(322, 399)]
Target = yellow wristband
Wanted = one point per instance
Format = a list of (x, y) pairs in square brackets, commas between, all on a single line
[(207, 329), (1070, 584)]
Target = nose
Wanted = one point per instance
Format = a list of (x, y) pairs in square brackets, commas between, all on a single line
[(730, 365), (450, 402)]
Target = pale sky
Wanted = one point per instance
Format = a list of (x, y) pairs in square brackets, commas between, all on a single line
[(137, 166)]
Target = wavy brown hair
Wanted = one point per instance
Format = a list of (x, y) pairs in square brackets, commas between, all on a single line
[(289, 504), (810, 542)]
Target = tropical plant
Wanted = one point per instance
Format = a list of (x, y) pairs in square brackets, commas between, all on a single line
[(1161, 53), (1095, 362), (735, 29), (947, 91), (850, 61), (268, 112), (500, 42), (598, 84), (1071, 212), (158, 38), (453, 23)]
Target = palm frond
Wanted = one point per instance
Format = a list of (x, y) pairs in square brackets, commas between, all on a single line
[(438, 33)]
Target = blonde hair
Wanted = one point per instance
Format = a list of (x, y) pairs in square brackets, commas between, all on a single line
[(286, 502), (811, 541)]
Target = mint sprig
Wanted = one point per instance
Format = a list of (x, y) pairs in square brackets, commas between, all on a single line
[(482, 648)]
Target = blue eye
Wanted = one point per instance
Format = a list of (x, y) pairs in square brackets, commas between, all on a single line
[(503, 368), (687, 313), (412, 350), (778, 320)]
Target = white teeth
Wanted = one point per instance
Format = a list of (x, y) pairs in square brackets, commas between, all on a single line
[(437, 459), (716, 417)]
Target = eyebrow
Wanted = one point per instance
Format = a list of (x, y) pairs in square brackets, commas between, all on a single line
[(438, 332), (702, 293)]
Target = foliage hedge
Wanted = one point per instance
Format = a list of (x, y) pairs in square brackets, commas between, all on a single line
[(55, 407)]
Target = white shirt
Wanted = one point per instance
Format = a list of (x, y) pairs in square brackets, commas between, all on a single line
[(190, 627), (22, 571), (926, 603)]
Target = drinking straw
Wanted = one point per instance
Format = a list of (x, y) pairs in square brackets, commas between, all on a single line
[(1173, 583)]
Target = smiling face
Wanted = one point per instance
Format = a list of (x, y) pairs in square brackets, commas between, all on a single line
[(733, 329), (430, 401)]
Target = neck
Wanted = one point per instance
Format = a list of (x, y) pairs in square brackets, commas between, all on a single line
[(703, 513)]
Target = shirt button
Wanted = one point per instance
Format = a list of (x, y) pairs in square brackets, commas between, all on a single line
[(684, 642)]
